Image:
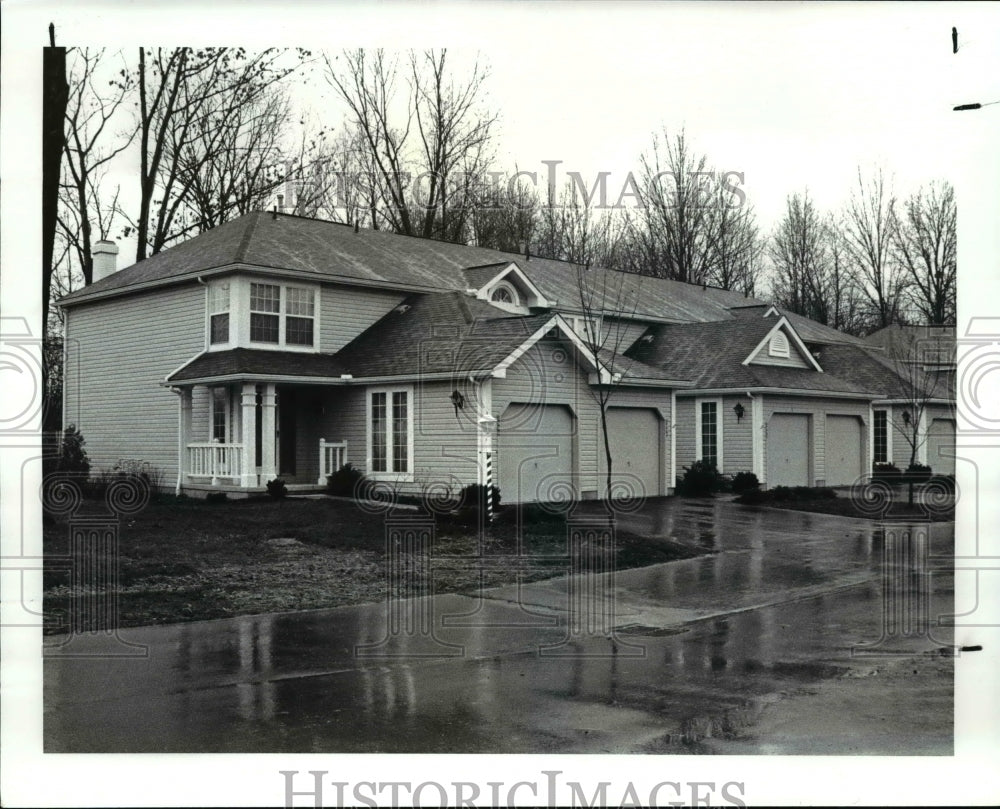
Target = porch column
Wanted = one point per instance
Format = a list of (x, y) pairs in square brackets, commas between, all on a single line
[(183, 435), (268, 434), (248, 423)]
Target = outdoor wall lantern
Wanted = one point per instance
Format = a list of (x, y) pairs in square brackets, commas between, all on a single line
[(906, 417), (458, 400), (739, 410)]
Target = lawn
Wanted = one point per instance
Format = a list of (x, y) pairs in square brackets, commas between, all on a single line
[(186, 560)]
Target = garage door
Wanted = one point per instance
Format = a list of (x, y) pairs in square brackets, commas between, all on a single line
[(788, 450), (634, 435), (535, 453), (843, 450), (941, 446)]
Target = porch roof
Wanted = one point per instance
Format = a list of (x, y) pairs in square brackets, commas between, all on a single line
[(244, 362)]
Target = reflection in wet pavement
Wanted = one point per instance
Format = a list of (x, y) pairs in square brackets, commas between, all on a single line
[(705, 645)]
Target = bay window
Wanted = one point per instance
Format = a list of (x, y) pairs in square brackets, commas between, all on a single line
[(282, 315), (218, 313)]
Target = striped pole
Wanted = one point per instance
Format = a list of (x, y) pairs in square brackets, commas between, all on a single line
[(488, 478)]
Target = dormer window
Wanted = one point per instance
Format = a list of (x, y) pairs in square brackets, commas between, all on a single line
[(505, 293), (778, 346)]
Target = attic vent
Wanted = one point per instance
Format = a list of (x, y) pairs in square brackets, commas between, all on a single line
[(403, 307), (646, 338), (779, 345)]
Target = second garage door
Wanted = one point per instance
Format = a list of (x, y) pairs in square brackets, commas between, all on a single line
[(843, 450), (535, 453), (634, 435), (788, 450)]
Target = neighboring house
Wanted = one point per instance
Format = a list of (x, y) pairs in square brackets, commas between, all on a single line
[(924, 363), (280, 346)]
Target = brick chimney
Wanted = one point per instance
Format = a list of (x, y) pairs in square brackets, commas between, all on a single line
[(105, 259)]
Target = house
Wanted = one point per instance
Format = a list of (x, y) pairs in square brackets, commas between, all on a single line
[(280, 346), (923, 359)]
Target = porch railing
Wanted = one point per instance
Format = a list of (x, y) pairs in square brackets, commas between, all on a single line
[(215, 460), (332, 456)]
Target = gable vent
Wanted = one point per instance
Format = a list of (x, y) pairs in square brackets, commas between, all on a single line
[(403, 307), (778, 346)]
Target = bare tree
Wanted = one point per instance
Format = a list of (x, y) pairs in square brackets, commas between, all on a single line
[(572, 230), (504, 215), (91, 144), (607, 302), (672, 239), (734, 244), (190, 110), (845, 305), (798, 253), (915, 392), (427, 153), (926, 248), (870, 231)]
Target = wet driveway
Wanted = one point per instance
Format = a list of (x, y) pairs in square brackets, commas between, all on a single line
[(699, 652)]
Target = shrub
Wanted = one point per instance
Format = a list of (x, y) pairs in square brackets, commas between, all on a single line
[(786, 494), (343, 482), (72, 455), (745, 482), (473, 497), (216, 497), (700, 479), (277, 488)]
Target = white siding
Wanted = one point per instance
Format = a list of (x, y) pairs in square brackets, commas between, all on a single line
[(345, 312), (118, 352)]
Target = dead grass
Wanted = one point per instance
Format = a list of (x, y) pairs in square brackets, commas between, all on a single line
[(185, 560)]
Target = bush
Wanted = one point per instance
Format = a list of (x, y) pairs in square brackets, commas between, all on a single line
[(786, 494), (473, 497), (745, 482), (344, 481), (72, 455), (277, 488), (216, 497), (700, 479)]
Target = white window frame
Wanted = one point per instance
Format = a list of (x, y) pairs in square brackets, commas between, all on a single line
[(227, 411), (210, 311), (699, 453), (888, 433), (283, 315), (399, 477), (518, 305)]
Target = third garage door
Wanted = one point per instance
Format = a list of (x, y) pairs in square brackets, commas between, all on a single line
[(636, 451), (941, 446), (843, 450), (788, 450)]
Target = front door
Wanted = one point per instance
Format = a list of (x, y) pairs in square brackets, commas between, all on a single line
[(286, 432)]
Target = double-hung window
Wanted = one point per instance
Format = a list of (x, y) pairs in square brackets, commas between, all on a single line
[(390, 431), (282, 315), (218, 313)]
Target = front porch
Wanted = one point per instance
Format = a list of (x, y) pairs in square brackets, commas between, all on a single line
[(257, 433)]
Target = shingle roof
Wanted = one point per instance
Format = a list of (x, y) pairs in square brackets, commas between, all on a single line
[(239, 362), (335, 252), (927, 344), (871, 369), (712, 354)]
